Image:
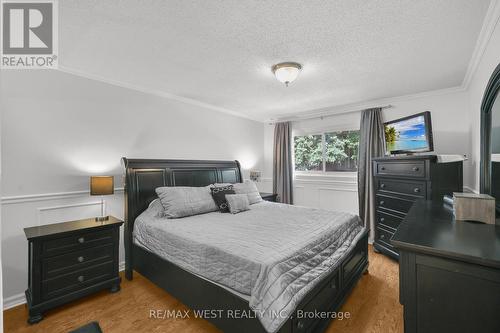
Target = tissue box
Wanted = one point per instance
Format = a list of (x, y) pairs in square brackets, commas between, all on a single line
[(474, 207)]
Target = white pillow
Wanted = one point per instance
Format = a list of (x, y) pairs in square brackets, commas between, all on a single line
[(237, 203), (250, 189), (181, 201)]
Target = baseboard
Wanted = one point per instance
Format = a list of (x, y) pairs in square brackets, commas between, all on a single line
[(13, 301), (469, 189), (20, 299)]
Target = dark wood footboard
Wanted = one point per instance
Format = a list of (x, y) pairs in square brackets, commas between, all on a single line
[(200, 294)]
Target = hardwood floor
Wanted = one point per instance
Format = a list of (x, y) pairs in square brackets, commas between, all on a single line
[(373, 306)]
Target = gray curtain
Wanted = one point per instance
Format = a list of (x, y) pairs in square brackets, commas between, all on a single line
[(371, 145), (282, 162)]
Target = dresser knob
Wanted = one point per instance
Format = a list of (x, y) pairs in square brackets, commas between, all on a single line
[(81, 278), (382, 168), (382, 219), (81, 240), (382, 236), (300, 325), (80, 259), (416, 190), (382, 185), (382, 203), (415, 169)]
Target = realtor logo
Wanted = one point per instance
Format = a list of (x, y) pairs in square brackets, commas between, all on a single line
[(29, 34)]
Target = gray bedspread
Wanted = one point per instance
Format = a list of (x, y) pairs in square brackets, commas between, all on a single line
[(275, 253)]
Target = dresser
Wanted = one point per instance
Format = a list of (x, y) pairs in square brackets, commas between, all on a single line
[(399, 181), (449, 272), (69, 260)]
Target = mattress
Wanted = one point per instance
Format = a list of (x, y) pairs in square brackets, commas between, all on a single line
[(274, 253)]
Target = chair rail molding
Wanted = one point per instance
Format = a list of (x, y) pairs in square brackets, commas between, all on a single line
[(7, 200)]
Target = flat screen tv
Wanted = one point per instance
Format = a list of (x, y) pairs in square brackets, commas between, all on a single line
[(409, 134)]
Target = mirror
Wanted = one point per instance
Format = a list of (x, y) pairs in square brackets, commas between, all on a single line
[(490, 140), (495, 152)]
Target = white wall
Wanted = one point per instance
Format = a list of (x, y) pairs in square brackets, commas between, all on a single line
[(58, 129), (1, 265), (450, 121), (489, 60)]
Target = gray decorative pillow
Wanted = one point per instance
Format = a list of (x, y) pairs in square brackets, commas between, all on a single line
[(237, 203), (249, 188), (181, 201)]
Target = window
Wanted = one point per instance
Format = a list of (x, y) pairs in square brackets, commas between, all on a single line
[(331, 151), (308, 153)]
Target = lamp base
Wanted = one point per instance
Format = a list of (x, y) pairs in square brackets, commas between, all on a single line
[(101, 218)]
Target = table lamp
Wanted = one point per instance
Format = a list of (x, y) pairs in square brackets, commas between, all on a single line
[(102, 185)]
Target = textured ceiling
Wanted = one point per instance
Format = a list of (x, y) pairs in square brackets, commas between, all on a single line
[(220, 52)]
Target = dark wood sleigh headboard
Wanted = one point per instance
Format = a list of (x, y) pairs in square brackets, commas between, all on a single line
[(143, 176)]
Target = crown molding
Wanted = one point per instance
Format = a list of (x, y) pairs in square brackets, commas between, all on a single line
[(158, 93), (354, 107), (489, 24)]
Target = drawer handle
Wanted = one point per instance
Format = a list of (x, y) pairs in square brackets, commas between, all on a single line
[(382, 168), (382, 219), (382, 185), (416, 190), (81, 278), (416, 169), (382, 236), (300, 325), (382, 203), (81, 240), (80, 259)]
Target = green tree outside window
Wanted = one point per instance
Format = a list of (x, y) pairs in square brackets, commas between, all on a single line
[(338, 151)]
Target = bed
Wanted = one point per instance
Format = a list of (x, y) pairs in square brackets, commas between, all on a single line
[(241, 274)]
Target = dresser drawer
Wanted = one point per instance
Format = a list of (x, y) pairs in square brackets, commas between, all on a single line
[(57, 265), (390, 221), (77, 280), (413, 188), (383, 237), (399, 205), (413, 169), (76, 241)]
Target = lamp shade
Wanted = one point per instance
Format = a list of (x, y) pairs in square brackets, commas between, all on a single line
[(102, 185)]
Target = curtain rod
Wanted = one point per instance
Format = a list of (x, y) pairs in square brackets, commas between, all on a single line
[(325, 115)]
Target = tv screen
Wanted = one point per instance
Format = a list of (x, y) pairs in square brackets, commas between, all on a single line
[(409, 134)]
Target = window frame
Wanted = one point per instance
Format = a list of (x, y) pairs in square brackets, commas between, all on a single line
[(323, 171)]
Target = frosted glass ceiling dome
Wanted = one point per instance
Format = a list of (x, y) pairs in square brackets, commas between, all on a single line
[(287, 72)]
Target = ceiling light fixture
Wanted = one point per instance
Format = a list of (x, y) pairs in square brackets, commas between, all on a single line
[(287, 72)]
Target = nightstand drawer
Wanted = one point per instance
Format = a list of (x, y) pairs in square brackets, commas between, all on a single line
[(76, 242), (77, 280), (414, 169), (54, 266)]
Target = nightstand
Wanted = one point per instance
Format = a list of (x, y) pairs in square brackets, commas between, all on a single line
[(69, 260), (268, 196)]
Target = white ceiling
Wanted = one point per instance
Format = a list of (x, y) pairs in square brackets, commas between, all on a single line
[(220, 52)]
